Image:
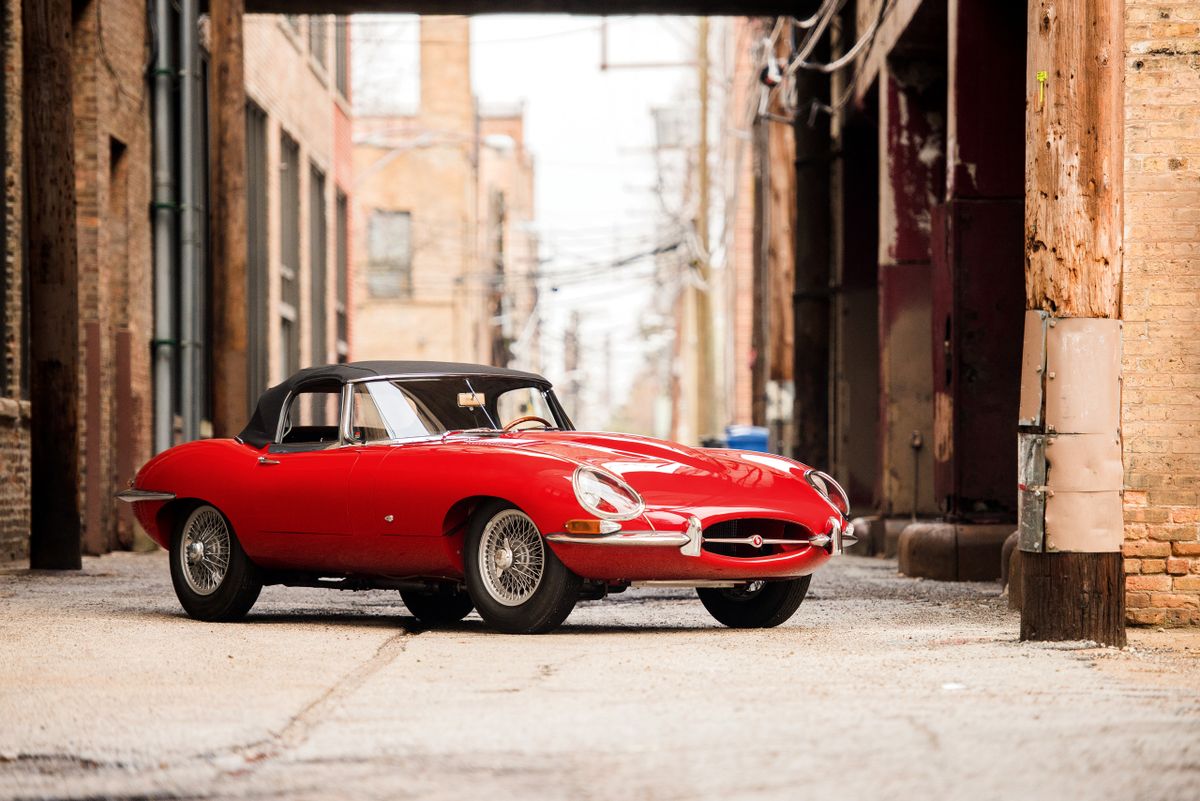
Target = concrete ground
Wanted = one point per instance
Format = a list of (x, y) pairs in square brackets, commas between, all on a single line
[(880, 686)]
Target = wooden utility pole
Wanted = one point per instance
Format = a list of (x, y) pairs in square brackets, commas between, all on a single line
[(1072, 570), (50, 241), (227, 103), (706, 390)]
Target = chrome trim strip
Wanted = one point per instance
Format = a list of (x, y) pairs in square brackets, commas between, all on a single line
[(642, 538), (536, 380), (714, 583), (753, 541), (135, 495)]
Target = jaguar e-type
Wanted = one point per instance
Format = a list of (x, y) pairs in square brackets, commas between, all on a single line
[(467, 487)]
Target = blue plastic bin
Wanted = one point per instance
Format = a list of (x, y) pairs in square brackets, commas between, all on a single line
[(747, 438)]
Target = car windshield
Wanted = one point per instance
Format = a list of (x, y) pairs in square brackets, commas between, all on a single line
[(407, 408)]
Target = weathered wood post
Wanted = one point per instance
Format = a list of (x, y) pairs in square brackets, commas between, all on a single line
[(50, 241), (227, 103), (1071, 518)]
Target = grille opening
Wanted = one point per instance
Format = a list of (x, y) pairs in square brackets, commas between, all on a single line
[(745, 528)]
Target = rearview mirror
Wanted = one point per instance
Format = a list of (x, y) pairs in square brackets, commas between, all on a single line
[(470, 400)]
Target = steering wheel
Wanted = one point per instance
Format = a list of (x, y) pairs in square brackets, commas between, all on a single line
[(529, 418)]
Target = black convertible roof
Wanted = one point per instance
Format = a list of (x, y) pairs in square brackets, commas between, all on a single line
[(265, 420)]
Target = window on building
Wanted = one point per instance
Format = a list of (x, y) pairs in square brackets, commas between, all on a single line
[(257, 263), (289, 266), (341, 55), (389, 252), (318, 286), (342, 290), (317, 39)]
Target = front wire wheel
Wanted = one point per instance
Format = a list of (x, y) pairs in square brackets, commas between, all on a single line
[(517, 583), (213, 577), (512, 558), (757, 604)]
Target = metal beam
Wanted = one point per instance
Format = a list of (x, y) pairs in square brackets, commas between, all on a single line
[(686, 7), (50, 242)]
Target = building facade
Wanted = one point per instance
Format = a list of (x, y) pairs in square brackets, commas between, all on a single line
[(447, 260), (299, 184)]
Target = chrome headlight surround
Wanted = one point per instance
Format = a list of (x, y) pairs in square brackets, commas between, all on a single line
[(831, 490), (585, 494)]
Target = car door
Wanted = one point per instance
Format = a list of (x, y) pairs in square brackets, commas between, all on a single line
[(302, 495)]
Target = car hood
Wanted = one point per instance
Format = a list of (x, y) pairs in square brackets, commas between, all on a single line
[(670, 475)]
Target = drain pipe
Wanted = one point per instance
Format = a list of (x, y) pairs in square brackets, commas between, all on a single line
[(189, 272), (164, 232)]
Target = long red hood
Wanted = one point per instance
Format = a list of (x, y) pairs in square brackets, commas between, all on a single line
[(670, 475)]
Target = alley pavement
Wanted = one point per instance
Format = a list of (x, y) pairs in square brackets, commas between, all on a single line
[(879, 687)]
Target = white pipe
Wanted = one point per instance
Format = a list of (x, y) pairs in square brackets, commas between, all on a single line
[(189, 272), (164, 232)]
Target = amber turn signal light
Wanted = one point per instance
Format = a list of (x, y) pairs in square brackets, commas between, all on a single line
[(591, 527)]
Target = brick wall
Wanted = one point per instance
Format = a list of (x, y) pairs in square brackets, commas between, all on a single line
[(14, 412), (1161, 308), (112, 168)]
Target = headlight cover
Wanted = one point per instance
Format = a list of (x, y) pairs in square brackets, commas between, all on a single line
[(605, 495), (833, 492)]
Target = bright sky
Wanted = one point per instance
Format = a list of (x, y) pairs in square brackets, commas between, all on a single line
[(591, 133)]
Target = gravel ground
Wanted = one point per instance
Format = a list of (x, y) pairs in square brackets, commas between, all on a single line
[(880, 686)]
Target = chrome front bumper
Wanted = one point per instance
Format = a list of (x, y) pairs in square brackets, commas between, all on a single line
[(691, 541)]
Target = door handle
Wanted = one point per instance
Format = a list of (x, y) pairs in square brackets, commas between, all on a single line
[(265, 460)]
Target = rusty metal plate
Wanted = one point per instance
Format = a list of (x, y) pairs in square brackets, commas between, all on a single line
[(1086, 522), (1084, 463), (1083, 375), (1033, 367), (1031, 491)]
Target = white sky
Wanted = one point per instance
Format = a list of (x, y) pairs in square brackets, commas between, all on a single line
[(591, 134)]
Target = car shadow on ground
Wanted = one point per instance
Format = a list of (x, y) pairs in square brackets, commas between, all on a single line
[(367, 617)]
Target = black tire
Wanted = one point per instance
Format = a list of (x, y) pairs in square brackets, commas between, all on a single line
[(237, 588), (546, 605), (748, 607), (438, 608)]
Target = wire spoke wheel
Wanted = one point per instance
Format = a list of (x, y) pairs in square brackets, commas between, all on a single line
[(204, 550), (512, 558)]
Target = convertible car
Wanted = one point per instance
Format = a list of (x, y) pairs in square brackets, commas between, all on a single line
[(466, 487)]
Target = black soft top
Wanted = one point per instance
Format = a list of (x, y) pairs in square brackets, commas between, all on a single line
[(265, 421)]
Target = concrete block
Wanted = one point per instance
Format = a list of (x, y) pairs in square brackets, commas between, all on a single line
[(869, 530), (953, 552), (891, 535)]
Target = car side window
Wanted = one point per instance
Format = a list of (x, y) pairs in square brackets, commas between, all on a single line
[(382, 411), (306, 419), (366, 422)]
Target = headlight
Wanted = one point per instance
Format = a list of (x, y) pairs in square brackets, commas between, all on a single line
[(833, 492), (605, 495)]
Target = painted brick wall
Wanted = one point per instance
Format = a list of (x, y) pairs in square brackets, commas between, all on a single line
[(1161, 308)]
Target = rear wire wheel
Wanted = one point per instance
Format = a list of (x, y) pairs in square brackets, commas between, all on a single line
[(213, 577), (517, 583), (756, 605)]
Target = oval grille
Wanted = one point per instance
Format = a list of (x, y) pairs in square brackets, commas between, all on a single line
[(754, 536)]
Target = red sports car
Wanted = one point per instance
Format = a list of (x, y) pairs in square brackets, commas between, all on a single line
[(466, 487)]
